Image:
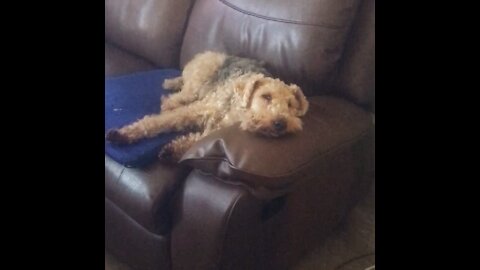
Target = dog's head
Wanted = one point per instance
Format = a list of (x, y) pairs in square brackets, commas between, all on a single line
[(273, 108)]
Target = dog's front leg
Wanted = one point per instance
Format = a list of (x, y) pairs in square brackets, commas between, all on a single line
[(173, 151), (150, 126)]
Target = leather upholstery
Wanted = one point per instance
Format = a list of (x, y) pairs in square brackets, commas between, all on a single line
[(356, 77), (222, 217), (143, 193), (131, 242), (240, 231), (330, 125), (119, 62), (301, 42), (313, 208), (152, 29)]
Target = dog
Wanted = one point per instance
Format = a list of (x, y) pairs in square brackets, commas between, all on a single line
[(217, 90)]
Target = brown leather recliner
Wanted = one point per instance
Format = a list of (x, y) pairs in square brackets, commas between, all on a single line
[(239, 201)]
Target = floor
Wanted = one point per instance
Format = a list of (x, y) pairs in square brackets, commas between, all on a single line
[(350, 247)]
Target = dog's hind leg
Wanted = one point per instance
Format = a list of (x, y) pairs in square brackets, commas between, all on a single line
[(173, 151), (180, 119), (184, 97), (196, 80)]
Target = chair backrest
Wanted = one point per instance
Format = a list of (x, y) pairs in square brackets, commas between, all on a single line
[(355, 79), (152, 29), (301, 41), (325, 46)]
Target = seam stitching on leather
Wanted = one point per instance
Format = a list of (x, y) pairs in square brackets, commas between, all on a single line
[(232, 6), (285, 174)]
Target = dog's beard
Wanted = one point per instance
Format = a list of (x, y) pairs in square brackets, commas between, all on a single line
[(268, 132)]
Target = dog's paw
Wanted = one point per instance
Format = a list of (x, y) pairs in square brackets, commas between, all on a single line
[(167, 155), (114, 136)]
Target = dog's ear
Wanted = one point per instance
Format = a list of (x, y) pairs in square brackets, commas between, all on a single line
[(302, 100), (248, 88)]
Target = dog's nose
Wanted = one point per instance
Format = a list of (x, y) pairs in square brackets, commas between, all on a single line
[(279, 125)]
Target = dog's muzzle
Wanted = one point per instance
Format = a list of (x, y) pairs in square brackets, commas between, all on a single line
[(279, 125)]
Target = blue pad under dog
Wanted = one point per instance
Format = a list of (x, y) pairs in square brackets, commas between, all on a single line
[(129, 98)]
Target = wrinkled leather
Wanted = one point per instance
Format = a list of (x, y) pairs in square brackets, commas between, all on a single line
[(119, 62), (356, 77), (152, 29), (301, 42), (143, 193), (271, 166), (131, 242), (239, 231)]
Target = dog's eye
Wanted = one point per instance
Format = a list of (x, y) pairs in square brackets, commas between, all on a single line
[(289, 104), (267, 97)]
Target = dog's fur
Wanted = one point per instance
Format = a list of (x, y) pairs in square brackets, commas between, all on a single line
[(216, 91)]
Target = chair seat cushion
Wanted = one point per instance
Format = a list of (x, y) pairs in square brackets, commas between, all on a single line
[(127, 99)]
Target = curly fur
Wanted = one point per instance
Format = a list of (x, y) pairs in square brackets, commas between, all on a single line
[(216, 91)]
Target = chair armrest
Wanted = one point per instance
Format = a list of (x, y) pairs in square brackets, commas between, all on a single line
[(215, 225), (271, 168)]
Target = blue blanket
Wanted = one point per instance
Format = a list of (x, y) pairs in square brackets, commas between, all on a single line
[(127, 99)]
